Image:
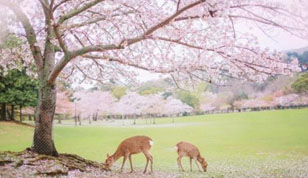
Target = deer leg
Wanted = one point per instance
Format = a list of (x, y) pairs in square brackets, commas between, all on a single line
[(190, 161), (180, 164), (146, 165), (149, 157), (124, 159), (151, 160), (131, 165), (197, 164)]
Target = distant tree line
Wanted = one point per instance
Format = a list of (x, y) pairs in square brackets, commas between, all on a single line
[(16, 89)]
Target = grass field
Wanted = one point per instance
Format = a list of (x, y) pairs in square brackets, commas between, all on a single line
[(267, 143)]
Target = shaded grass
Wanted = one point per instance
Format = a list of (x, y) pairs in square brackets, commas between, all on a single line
[(15, 137), (233, 139)]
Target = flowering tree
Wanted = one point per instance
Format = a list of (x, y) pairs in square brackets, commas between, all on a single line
[(92, 103), (197, 38), (64, 105), (175, 106)]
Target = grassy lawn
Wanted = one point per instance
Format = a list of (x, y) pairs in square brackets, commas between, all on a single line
[(236, 144)]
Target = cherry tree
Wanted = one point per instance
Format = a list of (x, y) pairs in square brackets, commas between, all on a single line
[(100, 39), (14, 54), (93, 102), (64, 105), (173, 106), (126, 105)]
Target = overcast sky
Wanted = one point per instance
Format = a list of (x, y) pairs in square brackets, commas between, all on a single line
[(281, 41)]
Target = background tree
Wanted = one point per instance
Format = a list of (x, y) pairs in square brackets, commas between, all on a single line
[(18, 86), (188, 98), (99, 39), (119, 91), (150, 90), (17, 89), (2, 97), (301, 84)]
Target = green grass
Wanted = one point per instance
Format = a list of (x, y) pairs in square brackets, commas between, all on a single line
[(252, 139)]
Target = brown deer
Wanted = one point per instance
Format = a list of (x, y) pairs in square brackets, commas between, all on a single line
[(130, 146), (191, 151)]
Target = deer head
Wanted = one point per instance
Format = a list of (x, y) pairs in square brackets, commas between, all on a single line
[(203, 163), (109, 162)]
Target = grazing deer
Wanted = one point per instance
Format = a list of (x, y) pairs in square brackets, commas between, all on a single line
[(191, 151), (130, 146)]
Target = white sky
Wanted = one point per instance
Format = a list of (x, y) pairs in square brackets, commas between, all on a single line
[(280, 40)]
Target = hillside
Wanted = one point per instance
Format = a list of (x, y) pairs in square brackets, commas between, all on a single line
[(299, 50)]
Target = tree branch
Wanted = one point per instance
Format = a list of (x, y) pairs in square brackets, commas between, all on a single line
[(95, 20), (121, 61), (75, 12), (178, 5), (59, 4), (123, 43)]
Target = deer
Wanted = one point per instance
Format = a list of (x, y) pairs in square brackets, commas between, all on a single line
[(191, 151), (127, 148)]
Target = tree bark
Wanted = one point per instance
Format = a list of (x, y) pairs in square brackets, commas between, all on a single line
[(42, 140), (20, 113), (8, 113), (3, 110), (12, 112)]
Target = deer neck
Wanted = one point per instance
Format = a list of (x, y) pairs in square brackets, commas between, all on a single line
[(199, 158), (116, 155)]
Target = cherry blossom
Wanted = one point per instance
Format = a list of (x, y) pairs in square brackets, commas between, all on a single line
[(89, 103), (198, 39)]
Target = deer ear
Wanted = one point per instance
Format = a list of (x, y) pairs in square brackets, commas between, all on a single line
[(107, 155)]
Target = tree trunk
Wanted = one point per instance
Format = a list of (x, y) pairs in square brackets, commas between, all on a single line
[(60, 117), (93, 117), (20, 113), (75, 116), (12, 112), (8, 113), (42, 140), (79, 120), (3, 109)]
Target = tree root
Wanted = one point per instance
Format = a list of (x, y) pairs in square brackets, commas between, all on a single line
[(48, 165)]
